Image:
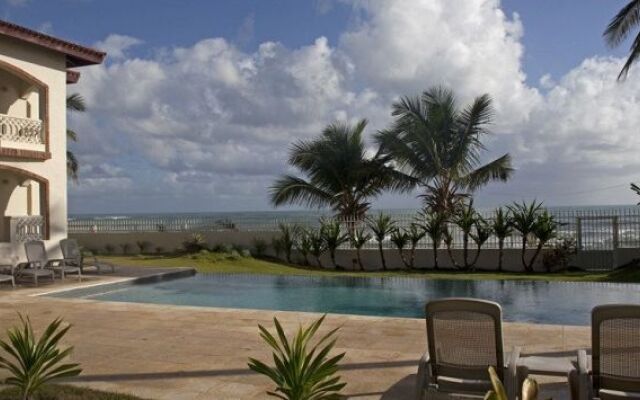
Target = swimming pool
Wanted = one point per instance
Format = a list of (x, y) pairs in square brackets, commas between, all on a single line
[(567, 303)]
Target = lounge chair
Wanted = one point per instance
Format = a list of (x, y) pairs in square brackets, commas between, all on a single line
[(34, 271), (613, 370), (7, 275), (464, 338), (37, 258), (74, 257)]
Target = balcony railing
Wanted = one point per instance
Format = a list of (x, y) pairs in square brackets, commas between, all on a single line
[(22, 130), (26, 228)]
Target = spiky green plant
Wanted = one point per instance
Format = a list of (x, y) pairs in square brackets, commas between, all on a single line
[(302, 370), (523, 220), (382, 226), (288, 234), (358, 238), (544, 229), (619, 29), (400, 238), (33, 362), (435, 226), (466, 218), (636, 189), (303, 244), (415, 234), (318, 245), (333, 238), (502, 228), (482, 233)]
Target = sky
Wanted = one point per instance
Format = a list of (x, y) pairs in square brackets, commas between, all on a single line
[(199, 100)]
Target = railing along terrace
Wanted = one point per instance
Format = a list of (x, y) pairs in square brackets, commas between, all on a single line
[(27, 228), (592, 229), (23, 130)]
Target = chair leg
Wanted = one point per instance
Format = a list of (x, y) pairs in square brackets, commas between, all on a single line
[(13, 282)]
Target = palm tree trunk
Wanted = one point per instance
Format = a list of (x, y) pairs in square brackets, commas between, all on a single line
[(500, 253), (524, 249), (535, 256), (453, 260), (435, 256), (332, 253), (359, 259), (475, 259), (465, 250), (318, 261), (412, 256), (384, 262)]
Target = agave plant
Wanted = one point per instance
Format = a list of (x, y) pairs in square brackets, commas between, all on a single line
[(287, 236), (302, 370), (502, 228), (31, 361), (358, 238), (523, 220), (435, 226), (382, 225), (529, 388), (318, 245), (400, 238), (333, 238)]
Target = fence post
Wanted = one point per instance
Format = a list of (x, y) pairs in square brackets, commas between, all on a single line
[(615, 228)]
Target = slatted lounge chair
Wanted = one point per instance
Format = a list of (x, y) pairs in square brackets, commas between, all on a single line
[(74, 257), (33, 271), (37, 258), (7, 276), (464, 338), (613, 370)]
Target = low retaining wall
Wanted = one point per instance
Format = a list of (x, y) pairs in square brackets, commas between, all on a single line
[(170, 241)]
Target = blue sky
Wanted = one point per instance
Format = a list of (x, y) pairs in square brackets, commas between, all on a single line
[(255, 75)]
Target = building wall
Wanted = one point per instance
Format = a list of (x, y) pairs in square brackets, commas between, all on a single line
[(49, 68)]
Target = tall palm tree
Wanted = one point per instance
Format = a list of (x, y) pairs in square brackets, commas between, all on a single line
[(619, 29), (338, 173), (75, 103), (437, 146)]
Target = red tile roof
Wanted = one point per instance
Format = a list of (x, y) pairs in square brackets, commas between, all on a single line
[(77, 55)]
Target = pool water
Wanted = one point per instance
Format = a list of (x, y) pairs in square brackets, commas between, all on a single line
[(567, 303)]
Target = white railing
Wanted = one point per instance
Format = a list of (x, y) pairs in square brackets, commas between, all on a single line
[(24, 130), (26, 228)]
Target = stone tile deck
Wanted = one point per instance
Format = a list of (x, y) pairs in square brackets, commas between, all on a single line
[(174, 352)]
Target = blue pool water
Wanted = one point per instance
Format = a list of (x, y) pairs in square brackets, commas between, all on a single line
[(526, 301)]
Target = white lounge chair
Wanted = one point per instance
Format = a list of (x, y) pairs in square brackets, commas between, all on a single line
[(37, 258), (464, 338), (74, 257)]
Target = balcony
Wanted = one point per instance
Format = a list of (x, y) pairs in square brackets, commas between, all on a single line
[(21, 133), (26, 228)]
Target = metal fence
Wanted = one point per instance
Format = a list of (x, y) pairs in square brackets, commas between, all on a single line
[(592, 229)]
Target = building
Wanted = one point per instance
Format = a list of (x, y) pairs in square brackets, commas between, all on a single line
[(35, 70)]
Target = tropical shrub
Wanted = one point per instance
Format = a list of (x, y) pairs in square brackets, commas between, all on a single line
[(278, 246), (126, 248), (382, 226), (302, 370), (560, 255), (435, 226), (358, 238), (466, 218), (288, 234), (259, 247), (303, 244), (529, 389), (502, 229), (400, 238), (144, 246), (482, 233), (318, 245), (545, 229), (194, 243), (333, 238), (32, 362), (523, 219), (109, 248), (415, 234)]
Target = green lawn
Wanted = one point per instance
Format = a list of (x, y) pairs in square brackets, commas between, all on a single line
[(215, 262), (66, 392)]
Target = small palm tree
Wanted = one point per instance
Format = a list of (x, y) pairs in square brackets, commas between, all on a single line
[(435, 227), (400, 238), (303, 244), (482, 233), (358, 238), (75, 103), (288, 235), (382, 226), (415, 234), (544, 229), (523, 220), (333, 238), (318, 245), (466, 218), (338, 173), (502, 228), (619, 29)]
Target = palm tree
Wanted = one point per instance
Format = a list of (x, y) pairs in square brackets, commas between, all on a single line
[(523, 220), (303, 244), (466, 218), (338, 173), (75, 103), (358, 238), (502, 229), (436, 228), (480, 237), (381, 226), (619, 29), (333, 238), (400, 238), (415, 234), (437, 146), (318, 246), (545, 229)]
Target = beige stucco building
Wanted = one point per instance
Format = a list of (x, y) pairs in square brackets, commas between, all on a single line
[(35, 70)]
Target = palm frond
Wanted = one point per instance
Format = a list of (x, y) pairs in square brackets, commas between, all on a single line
[(620, 26), (72, 166), (291, 189), (75, 102), (499, 169)]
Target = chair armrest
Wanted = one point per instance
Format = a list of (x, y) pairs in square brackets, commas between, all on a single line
[(423, 379), (511, 374)]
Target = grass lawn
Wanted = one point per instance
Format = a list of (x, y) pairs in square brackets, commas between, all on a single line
[(216, 262), (66, 392)]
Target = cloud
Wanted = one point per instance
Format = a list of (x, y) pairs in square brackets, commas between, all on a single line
[(207, 126)]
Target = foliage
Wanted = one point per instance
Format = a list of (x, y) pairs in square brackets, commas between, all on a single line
[(277, 245), (66, 392), (400, 238), (303, 244), (302, 370), (75, 103), (415, 234), (435, 226), (381, 225), (318, 245), (529, 388), (337, 171), (333, 238), (544, 229), (144, 246), (636, 189), (619, 29), (259, 247), (502, 229), (437, 146), (288, 233), (126, 248), (482, 233), (194, 243), (560, 255), (466, 218), (523, 219), (358, 238), (31, 361), (109, 248)]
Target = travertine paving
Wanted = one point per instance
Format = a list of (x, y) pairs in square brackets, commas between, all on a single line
[(173, 352)]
